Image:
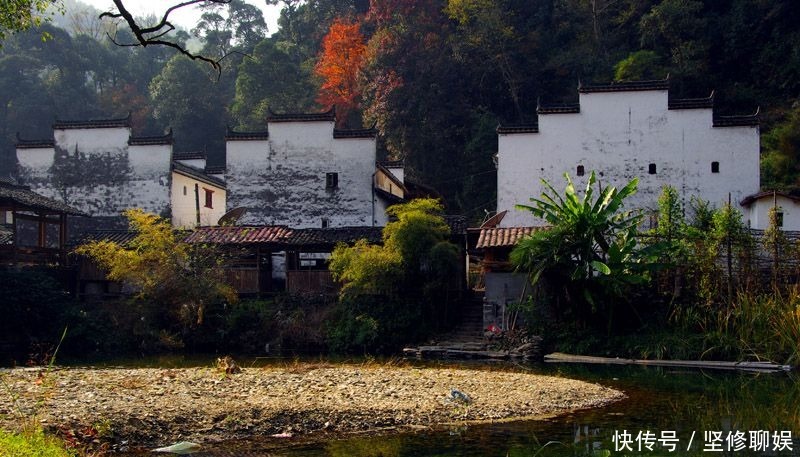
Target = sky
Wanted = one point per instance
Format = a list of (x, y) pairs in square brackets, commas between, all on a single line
[(186, 17)]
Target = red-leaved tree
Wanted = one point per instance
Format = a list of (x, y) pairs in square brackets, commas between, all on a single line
[(339, 65)]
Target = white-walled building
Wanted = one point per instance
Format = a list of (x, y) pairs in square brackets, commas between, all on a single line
[(304, 172), (101, 169), (624, 131), (756, 210)]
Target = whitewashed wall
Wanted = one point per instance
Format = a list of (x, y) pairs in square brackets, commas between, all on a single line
[(96, 171), (282, 180), (618, 134)]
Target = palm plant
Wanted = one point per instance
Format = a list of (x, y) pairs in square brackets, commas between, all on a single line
[(590, 250)]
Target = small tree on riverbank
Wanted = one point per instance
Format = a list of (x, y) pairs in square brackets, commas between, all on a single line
[(398, 291), (162, 268)]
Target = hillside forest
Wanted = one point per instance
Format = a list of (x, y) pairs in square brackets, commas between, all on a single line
[(435, 77)]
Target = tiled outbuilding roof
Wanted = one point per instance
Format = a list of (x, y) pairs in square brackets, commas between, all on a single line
[(626, 86), (34, 144), (329, 116), (240, 234), (517, 128), (232, 135), (24, 198), (215, 169), (92, 123), (121, 237), (332, 236), (750, 199), (164, 139), (503, 236)]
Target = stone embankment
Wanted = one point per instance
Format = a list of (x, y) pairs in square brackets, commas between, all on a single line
[(155, 406)]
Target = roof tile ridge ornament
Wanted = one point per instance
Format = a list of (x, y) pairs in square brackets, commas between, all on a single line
[(368, 132), (165, 139), (232, 135), (329, 116), (742, 120), (692, 103), (626, 86)]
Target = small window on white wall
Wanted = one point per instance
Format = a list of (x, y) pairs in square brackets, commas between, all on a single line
[(184, 190), (779, 218), (714, 167), (581, 171), (209, 198), (331, 180), (651, 169)]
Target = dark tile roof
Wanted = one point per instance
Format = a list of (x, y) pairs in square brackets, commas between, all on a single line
[(267, 234), (92, 123), (34, 144), (355, 133), (215, 169), (626, 86), (152, 140), (392, 163), (23, 198), (751, 120), (747, 201), (567, 108), (189, 155), (692, 103), (232, 135), (197, 174), (121, 237), (6, 235), (329, 116), (329, 237), (517, 128), (503, 236), (457, 223)]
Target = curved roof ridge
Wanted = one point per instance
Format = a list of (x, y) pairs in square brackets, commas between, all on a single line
[(92, 123), (329, 115)]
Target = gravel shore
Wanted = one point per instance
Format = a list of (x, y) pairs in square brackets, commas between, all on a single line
[(155, 406)]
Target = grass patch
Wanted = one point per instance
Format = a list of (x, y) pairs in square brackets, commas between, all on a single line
[(33, 443)]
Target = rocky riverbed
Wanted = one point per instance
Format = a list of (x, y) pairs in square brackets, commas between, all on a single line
[(155, 406)]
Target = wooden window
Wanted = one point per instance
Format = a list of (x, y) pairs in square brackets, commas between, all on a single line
[(581, 171), (331, 180), (651, 168), (779, 218), (209, 198), (714, 167)]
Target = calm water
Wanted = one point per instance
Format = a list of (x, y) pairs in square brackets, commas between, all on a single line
[(659, 400)]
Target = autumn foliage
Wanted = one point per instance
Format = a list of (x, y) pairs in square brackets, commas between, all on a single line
[(339, 65)]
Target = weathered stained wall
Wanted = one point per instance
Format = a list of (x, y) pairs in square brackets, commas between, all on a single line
[(96, 171), (619, 134), (282, 179)]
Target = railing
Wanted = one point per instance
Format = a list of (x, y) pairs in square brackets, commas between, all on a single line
[(30, 255)]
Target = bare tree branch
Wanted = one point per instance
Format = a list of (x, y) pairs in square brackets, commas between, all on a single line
[(152, 35)]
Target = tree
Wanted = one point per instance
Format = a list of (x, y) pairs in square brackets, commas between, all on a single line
[(19, 15), (396, 292), (162, 268), (339, 66), (589, 254), (271, 78)]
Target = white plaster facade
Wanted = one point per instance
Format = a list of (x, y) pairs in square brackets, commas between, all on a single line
[(757, 208), (303, 173), (626, 131), (99, 168), (192, 193)]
